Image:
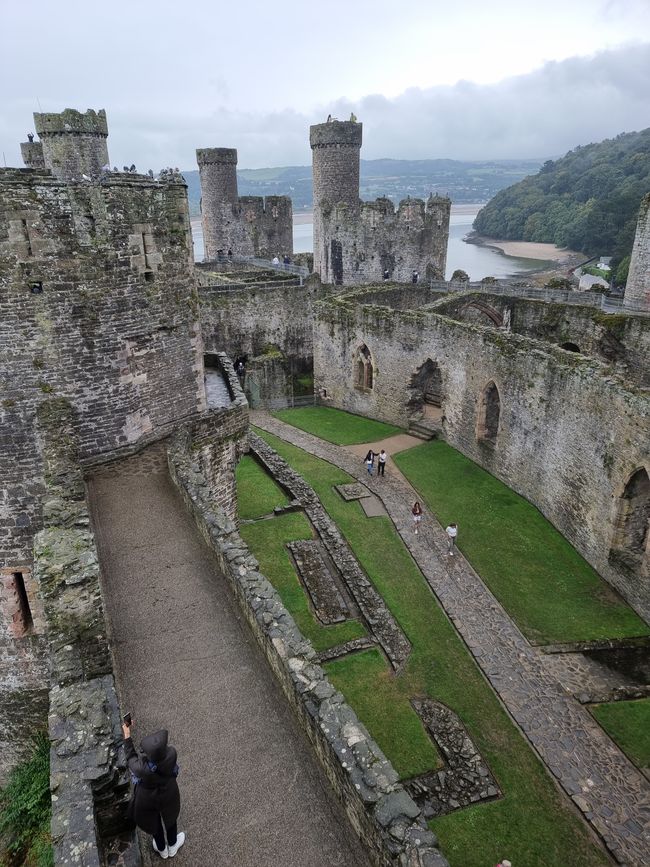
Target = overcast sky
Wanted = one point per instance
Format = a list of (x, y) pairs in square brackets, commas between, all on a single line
[(468, 79)]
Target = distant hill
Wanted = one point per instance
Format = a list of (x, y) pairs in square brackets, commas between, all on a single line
[(397, 179), (588, 200)]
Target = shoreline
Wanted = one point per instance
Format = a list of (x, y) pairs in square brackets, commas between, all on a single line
[(540, 252)]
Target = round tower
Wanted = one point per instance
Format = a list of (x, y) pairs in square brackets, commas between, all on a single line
[(218, 174), (335, 165), (637, 288), (74, 144)]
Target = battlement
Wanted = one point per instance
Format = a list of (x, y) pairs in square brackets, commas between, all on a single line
[(71, 122), (32, 154), (216, 156), (336, 133)]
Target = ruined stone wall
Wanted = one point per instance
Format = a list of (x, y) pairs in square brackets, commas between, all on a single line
[(637, 288), (570, 434), (253, 321), (247, 225), (622, 340), (381, 240), (97, 306)]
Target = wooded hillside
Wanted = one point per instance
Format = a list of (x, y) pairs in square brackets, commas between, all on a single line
[(588, 200)]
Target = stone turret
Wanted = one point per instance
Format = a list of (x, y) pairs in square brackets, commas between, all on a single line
[(218, 173), (336, 146), (637, 289), (243, 226), (74, 144)]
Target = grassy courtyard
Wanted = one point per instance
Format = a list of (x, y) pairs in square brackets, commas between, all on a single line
[(531, 824), (548, 589), (336, 426), (628, 723)]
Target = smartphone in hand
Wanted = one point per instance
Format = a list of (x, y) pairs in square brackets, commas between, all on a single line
[(128, 721)]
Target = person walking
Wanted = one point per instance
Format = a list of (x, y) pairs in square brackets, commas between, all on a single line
[(381, 463), (452, 532), (156, 801), (370, 460), (416, 511)]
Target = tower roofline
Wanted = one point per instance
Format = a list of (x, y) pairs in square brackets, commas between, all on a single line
[(336, 133)]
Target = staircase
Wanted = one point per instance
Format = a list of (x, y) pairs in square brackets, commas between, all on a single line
[(425, 428)]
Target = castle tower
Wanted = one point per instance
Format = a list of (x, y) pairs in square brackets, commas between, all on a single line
[(335, 164), (637, 289), (74, 144), (218, 173), (32, 154)]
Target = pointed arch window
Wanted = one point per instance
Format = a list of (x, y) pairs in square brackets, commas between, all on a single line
[(633, 520), (364, 374), (489, 414)]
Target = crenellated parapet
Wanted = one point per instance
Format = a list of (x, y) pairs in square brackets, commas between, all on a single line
[(358, 242), (74, 144), (239, 225)]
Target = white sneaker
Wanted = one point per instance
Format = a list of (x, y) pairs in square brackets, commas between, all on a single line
[(180, 839), (164, 853)]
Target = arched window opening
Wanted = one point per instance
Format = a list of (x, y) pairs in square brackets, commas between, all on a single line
[(633, 519), (570, 347), (490, 410), (364, 372)]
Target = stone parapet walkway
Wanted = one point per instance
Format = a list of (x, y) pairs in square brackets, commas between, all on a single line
[(605, 786), (252, 791)]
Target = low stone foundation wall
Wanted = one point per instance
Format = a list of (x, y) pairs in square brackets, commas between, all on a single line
[(386, 818)]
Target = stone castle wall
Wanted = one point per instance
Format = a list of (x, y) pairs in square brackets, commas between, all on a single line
[(246, 225), (98, 307), (570, 434), (358, 242), (620, 340), (637, 289)]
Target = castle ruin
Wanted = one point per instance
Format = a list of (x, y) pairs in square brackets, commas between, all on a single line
[(358, 242), (637, 288), (239, 225), (105, 326)]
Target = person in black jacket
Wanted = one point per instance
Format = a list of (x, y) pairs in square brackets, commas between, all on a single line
[(156, 801)]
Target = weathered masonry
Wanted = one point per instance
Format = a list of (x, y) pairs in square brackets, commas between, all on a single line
[(557, 426), (98, 306), (240, 225), (358, 242), (637, 289)]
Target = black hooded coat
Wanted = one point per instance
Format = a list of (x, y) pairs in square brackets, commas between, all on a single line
[(156, 794)]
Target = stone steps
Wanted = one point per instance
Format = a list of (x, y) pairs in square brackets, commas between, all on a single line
[(424, 429)]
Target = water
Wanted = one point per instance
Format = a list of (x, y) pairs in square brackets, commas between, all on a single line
[(477, 261)]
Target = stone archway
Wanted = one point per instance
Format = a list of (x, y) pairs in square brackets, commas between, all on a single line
[(476, 311), (427, 391), (570, 347), (631, 531), (489, 414)]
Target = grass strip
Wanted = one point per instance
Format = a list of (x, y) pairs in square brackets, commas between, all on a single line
[(531, 824), (337, 426), (628, 724), (257, 492), (267, 540), (549, 590)]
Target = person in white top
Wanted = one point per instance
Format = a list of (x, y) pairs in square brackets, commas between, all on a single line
[(381, 463), (452, 532)]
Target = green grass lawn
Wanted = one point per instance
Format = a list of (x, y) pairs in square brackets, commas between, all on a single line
[(548, 589), (257, 493), (267, 540), (628, 724), (531, 825), (337, 426)]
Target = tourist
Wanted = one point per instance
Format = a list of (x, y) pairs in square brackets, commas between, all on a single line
[(416, 511), (286, 260), (240, 369), (156, 801), (381, 463), (275, 260), (415, 277), (370, 460), (452, 532), (386, 274), (504, 863)]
